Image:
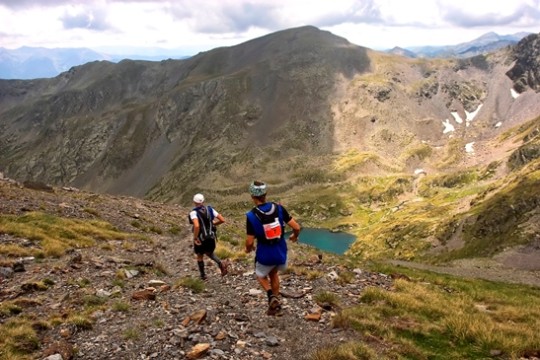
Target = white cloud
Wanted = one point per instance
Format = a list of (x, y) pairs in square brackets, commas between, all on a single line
[(205, 24)]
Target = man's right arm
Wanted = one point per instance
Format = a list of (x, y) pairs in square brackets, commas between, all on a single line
[(250, 237), (250, 243)]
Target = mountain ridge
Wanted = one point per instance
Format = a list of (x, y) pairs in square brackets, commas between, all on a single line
[(266, 84), (38, 62), (339, 131), (483, 44)]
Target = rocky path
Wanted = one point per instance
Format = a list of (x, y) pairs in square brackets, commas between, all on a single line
[(228, 319)]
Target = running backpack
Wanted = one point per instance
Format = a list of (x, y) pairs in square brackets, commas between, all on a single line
[(205, 216), (268, 225)]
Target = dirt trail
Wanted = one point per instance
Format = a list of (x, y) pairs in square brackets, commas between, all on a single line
[(486, 269)]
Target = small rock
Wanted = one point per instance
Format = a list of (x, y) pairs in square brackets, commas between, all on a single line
[(18, 266), (65, 333), (131, 273), (27, 260), (241, 317), (218, 352), (62, 349), (333, 275), (199, 316), (102, 293), (255, 292), (221, 335), (6, 272), (145, 294), (54, 357), (272, 341), (313, 316), (156, 283), (198, 351)]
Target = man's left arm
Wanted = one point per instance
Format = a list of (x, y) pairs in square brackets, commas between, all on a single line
[(296, 228), (196, 230)]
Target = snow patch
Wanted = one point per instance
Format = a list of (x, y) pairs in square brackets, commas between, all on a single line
[(514, 93), (456, 116), (472, 115), (448, 127), (498, 125), (469, 148)]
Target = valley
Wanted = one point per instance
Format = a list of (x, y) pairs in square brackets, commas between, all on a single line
[(433, 164)]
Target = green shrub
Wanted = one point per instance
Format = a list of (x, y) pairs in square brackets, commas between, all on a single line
[(194, 284)]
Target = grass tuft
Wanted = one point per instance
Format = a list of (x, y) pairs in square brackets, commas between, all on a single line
[(348, 351), (81, 322), (326, 297), (194, 284)]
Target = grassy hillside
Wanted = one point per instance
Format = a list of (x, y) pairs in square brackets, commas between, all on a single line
[(430, 316), (442, 216), (83, 241)]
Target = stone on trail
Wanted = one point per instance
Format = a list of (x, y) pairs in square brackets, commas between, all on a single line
[(198, 351)]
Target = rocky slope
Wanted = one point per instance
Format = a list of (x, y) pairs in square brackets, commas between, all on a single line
[(526, 71), (417, 158), (122, 299), (159, 129)]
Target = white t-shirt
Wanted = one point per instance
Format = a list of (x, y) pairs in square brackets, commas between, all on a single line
[(193, 214)]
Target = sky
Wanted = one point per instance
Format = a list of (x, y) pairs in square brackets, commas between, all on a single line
[(192, 26)]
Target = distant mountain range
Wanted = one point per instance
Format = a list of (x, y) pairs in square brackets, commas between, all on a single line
[(486, 43), (37, 62), (33, 63)]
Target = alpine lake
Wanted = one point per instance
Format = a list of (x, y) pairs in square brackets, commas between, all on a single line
[(326, 240)]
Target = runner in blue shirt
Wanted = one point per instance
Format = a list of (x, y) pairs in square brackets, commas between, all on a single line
[(266, 223)]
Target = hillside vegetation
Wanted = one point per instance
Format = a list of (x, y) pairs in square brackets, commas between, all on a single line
[(433, 164), (80, 262)]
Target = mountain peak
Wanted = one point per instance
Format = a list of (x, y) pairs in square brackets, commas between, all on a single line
[(492, 36)]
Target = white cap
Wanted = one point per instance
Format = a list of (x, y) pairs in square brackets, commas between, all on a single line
[(198, 198)]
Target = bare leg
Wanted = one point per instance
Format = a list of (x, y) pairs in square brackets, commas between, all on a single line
[(264, 283), (271, 285), (274, 281)]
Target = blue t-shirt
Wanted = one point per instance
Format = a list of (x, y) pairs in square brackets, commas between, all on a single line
[(270, 253)]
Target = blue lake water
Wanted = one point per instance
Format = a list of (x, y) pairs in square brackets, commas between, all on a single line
[(323, 239)]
